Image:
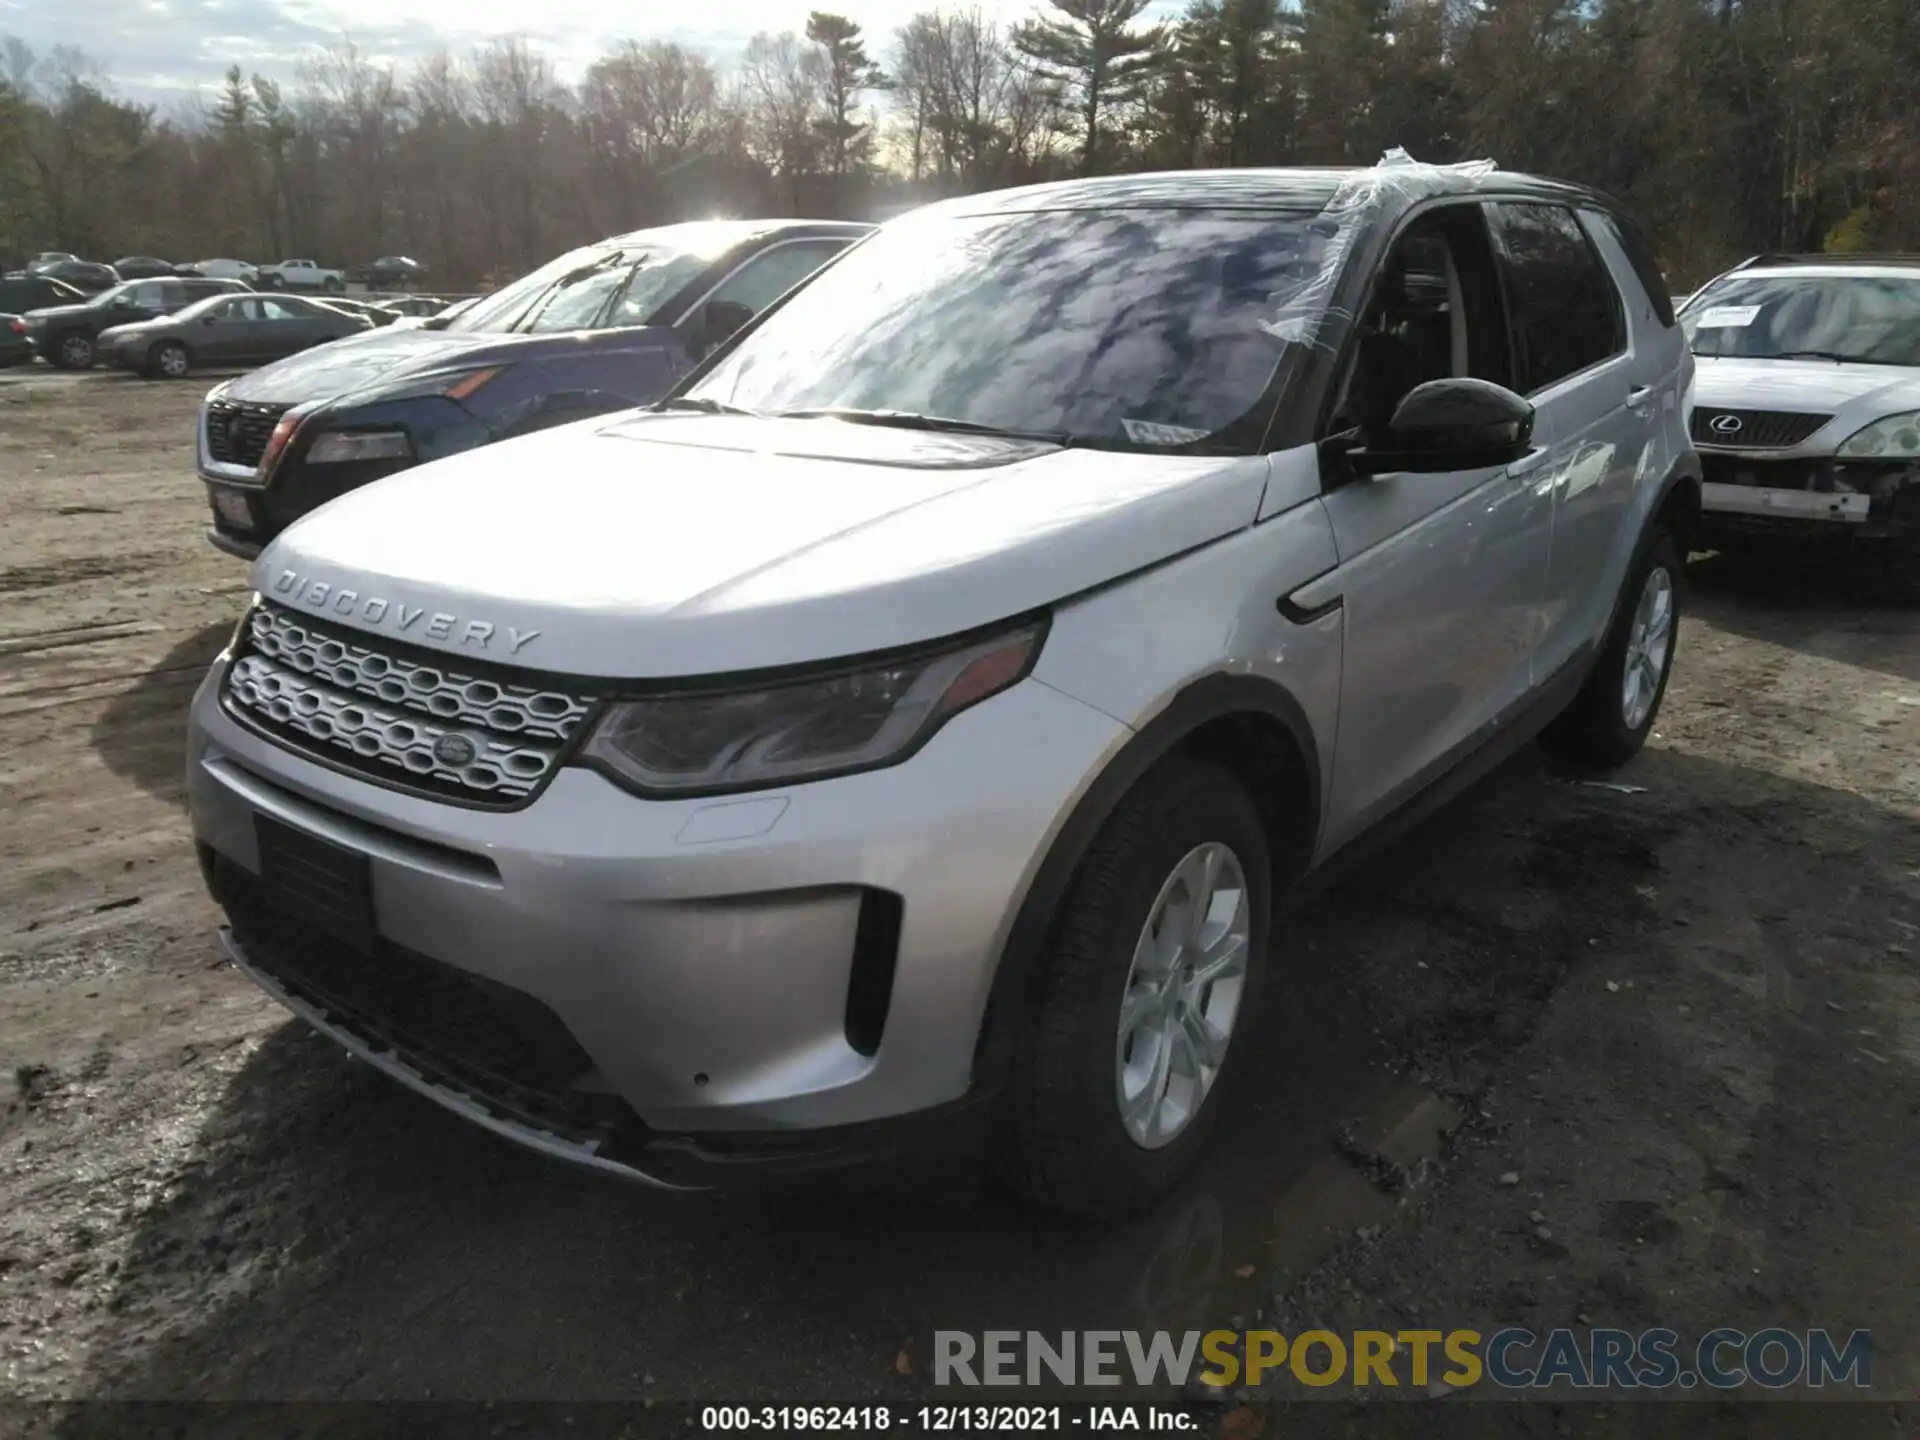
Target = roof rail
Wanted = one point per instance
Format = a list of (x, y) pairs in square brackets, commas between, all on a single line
[(1858, 258)]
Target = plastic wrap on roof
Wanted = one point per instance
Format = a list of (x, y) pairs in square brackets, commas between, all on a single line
[(1303, 313)]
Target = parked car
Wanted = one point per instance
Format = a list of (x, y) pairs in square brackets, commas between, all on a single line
[(301, 275), (601, 328), (392, 272), (223, 270), (1807, 407), (65, 335), (375, 315), (926, 709), (22, 291), (46, 259), (227, 330), (143, 267), (87, 275), (14, 349)]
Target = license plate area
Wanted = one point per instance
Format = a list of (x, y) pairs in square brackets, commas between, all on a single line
[(231, 507), (327, 885), (1792, 504)]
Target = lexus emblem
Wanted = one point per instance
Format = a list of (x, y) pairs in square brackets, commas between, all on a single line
[(1726, 424), (455, 750)]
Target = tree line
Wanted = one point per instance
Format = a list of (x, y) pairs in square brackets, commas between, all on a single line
[(1730, 125)]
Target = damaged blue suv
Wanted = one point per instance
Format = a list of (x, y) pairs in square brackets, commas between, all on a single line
[(602, 328)]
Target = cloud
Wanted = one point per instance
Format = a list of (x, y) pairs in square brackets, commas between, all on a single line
[(159, 51)]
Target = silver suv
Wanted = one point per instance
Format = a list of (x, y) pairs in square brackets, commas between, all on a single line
[(1808, 411), (922, 714)]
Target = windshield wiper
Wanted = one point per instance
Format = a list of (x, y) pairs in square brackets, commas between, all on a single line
[(910, 420), (703, 405)]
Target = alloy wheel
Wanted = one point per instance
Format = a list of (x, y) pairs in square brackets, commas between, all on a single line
[(1649, 644), (1182, 995)]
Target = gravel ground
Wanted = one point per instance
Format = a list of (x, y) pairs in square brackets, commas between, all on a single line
[(1658, 1048)]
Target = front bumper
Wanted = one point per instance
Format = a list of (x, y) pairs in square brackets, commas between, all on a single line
[(1807, 495), (700, 953)]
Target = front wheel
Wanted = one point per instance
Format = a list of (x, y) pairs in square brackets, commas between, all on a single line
[(1611, 717), (73, 352), (1152, 971), (170, 360)]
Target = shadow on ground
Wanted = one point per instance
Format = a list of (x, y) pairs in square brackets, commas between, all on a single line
[(142, 735), (1814, 604)]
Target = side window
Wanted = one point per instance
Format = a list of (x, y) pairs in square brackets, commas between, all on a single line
[(282, 310), (774, 271), (1433, 312), (173, 295), (144, 297), (1565, 313), (1639, 252)]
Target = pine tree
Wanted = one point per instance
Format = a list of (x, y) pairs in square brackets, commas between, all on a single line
[(1092, 51)]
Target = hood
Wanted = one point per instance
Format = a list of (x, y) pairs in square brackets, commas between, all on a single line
[(76, 311), (665, 545), (1805, 385), (386, 354)]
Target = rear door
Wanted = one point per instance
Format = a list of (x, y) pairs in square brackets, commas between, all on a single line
[(225, 334), (1591, 395), (286, 327)]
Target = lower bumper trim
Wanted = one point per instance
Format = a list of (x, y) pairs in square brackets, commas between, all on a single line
[(240, 549), (676, 1162)]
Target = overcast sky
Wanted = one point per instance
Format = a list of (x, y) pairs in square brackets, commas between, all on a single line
[(162, 50)]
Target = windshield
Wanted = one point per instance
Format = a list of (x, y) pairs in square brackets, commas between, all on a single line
[(1873, 319), (626, 285), (115, 293), (1134, 329)]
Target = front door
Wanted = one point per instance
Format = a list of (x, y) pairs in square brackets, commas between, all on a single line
[(1441, 577)]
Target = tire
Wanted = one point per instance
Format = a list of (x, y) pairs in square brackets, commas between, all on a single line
[(73, 351), (1065, 1142), (169, 361), (1605, 726)]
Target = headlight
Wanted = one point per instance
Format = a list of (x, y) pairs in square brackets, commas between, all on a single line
[(1895, 438), (347, 445), (457, 385), (775, 734)]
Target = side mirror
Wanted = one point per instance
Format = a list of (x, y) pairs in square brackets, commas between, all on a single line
[(716, 320), (1443, 425)]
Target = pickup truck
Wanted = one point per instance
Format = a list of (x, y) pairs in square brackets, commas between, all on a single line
[(301, 275)]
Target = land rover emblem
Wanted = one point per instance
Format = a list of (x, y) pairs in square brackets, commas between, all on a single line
[(455, 750)]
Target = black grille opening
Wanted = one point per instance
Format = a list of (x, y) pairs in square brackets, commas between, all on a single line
[(1754, 429), (237, 433), (876, 952), (497, 1045)]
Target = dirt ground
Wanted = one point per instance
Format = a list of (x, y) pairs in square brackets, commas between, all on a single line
[(1666, 1040)]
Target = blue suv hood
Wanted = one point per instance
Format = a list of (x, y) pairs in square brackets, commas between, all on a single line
[(373, 360)]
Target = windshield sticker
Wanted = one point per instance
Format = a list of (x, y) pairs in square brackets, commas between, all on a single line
[(1150, 432), (1728, 317)]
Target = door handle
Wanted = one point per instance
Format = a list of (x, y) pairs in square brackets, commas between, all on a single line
[(1639, 397), (1527, 463)]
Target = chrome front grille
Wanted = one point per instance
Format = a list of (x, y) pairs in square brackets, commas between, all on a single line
[(332, 694)]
